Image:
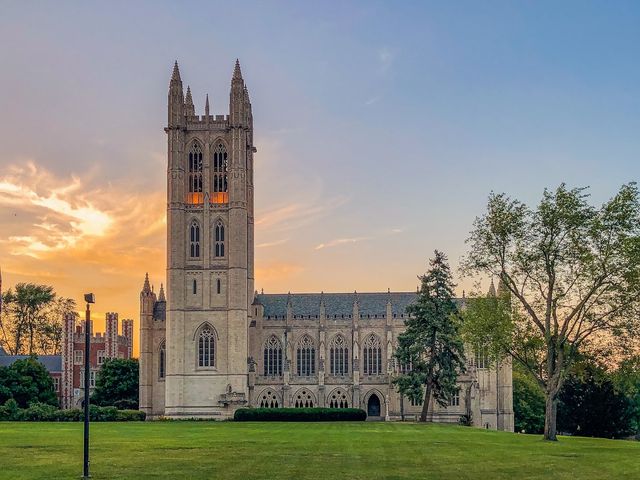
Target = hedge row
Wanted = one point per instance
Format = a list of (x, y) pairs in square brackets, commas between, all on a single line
[(40, 412), (299, 414)]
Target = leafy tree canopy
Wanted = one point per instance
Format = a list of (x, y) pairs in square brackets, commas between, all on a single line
[(117, 384), (27, 381)]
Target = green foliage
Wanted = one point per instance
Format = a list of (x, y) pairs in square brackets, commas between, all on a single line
[(466, 420), (299, 414), (42, 412), (117, 384), (572, 270), (431, 343), (27, 381), (591, 405), (528, 403)]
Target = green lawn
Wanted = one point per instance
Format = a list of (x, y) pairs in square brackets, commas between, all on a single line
[(205, 450)]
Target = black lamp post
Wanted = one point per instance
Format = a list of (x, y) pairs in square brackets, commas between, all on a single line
[(89, 298)]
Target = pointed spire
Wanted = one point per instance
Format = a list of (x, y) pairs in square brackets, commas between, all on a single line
[(147, 287), (190, 110), (492, 289), (175, 76), (237, 74), (161, 297), (206, 106)]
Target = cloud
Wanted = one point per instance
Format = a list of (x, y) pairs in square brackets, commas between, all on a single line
[(371, 101), (340, 241), (272, 244), (297, 215), (385, 58)]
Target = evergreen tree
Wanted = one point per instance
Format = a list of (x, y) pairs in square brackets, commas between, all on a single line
[(431, 344), (117, 384)]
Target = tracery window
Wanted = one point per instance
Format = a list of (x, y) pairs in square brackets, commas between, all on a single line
[(194, 240), (481, 358), (306, 357), (220, 183), (268, 399), (195, 196), (339, 356), (338, 399), (303, 399), (219, 243), (372, 356), (206, 347), (162, 360), (272, 362), (454, 401)]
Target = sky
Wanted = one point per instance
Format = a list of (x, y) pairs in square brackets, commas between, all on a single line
[(381, 128)]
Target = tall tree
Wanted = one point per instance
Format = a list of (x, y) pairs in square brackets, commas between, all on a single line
[(117, 384), (27, 381), (573, 272), (31, 319), (431, 344)]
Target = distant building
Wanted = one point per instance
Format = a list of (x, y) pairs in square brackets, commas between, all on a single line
[(216, 344), (67, 370)]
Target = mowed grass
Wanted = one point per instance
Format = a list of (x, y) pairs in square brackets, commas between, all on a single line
[(227, 450)]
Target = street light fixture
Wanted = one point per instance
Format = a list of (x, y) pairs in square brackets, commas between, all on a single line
[(89, 298)]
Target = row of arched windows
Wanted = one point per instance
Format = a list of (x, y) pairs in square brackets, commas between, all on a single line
[(304, 399), (194, 239), (220, 185), (305, 356)]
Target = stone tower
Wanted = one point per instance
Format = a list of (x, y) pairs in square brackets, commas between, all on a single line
[(210, 274)]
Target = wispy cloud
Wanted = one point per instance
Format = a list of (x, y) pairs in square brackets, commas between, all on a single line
[(297, 215), (340, 241), (272, 244), (385, 58), (371, 101)]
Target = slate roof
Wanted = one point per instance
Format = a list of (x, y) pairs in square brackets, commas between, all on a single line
[(53, 363), (160, 311), (335, 303)]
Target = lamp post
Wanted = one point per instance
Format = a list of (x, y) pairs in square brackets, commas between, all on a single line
[(89, 298)]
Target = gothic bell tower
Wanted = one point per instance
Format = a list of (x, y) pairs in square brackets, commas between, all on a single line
[(210, 251)]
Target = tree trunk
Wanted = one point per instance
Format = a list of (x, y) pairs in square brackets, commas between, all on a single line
[(550, 417), (427, 400)]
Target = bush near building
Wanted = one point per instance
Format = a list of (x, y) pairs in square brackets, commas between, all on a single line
[(299, 414)]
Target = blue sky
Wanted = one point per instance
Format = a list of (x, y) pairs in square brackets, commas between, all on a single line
[(381, 127)]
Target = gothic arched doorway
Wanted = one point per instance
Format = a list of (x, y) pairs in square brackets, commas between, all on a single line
[(373, 406)]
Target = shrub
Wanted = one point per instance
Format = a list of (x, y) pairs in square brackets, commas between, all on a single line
[(10, 410), (130, 416), (73, 415), (39, 412), (466, 420), (299, 414)]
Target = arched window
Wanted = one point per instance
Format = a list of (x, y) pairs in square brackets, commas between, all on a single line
[(195, 175), (272, 357), (306, 357), (219, 243), (339, 356), (220, 183), (162, 359), (218, 286), (338, 399), (268, 399), (194, 240), (303, 399), (372, 356), (206, 347)]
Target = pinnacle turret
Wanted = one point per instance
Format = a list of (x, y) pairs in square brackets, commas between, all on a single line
[(237, 73), (175, 76), (206, 106), (147, 286), (188, 103), (161, 297), (492, 289)]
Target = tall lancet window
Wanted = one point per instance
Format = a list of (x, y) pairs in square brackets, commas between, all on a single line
[(339, 356), (220, 192), (206, 347), (372, 356), (195, 195), (306, 357), (162, 360), (272, 357), (219, 243), (194, 240)]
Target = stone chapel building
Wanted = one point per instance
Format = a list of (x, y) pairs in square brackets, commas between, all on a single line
[(215, 344)]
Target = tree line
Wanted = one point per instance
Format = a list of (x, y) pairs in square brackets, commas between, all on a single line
[(31, 319)]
